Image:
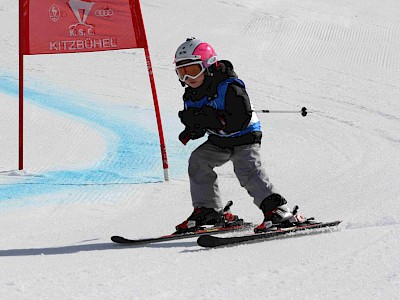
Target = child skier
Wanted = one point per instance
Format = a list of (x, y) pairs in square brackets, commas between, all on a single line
[(216, 103)]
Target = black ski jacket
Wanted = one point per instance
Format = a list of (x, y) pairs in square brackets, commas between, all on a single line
[(238, 109)]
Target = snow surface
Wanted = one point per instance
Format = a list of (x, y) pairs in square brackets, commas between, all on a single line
[(93, 167)]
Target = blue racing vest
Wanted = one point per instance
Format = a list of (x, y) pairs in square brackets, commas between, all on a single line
[(219, 104)]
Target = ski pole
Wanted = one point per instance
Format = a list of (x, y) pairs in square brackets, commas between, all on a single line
[(303, 111)]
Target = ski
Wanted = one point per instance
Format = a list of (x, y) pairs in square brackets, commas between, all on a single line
[(212, 241), (227, 226), (177, 236)]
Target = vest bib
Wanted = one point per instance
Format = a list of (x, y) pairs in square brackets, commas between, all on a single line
[(218, 103)]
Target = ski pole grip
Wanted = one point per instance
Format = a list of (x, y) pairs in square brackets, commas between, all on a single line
[(228, 205), (184, 136)]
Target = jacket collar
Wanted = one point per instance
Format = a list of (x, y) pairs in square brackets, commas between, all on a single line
[(214, 76)]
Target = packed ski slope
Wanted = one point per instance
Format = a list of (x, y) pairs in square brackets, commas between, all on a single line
[(93, 166)]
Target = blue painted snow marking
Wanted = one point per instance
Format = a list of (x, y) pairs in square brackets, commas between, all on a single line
[(132, 155)]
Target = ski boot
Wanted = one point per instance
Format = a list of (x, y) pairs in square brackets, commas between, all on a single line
[(280, 216), (208, 216)]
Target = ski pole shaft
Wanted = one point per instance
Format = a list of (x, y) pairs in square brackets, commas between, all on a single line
[(303, 111)]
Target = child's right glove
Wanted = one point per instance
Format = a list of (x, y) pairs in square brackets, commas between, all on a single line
[(189, 134)]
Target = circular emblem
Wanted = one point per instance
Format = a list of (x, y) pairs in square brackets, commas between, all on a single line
[(54, 13)]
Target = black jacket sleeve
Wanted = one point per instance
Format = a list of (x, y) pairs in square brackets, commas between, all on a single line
[(238, 110)]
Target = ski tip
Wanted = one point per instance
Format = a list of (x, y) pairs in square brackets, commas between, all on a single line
[(207, 241), (335, 223), (117, 239)]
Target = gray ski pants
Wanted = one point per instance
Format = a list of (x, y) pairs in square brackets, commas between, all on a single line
[(247, 167)]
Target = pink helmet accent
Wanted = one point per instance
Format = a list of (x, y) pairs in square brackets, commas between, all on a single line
[(196, 50)]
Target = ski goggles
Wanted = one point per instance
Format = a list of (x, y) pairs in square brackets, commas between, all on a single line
[(190, 70)]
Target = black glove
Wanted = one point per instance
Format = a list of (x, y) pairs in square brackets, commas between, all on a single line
[(204, 118), (197, 120)]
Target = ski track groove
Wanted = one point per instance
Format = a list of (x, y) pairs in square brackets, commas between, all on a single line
[(316, 40)]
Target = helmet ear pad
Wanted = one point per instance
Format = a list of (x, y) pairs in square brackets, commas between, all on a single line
[(210, 70)]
